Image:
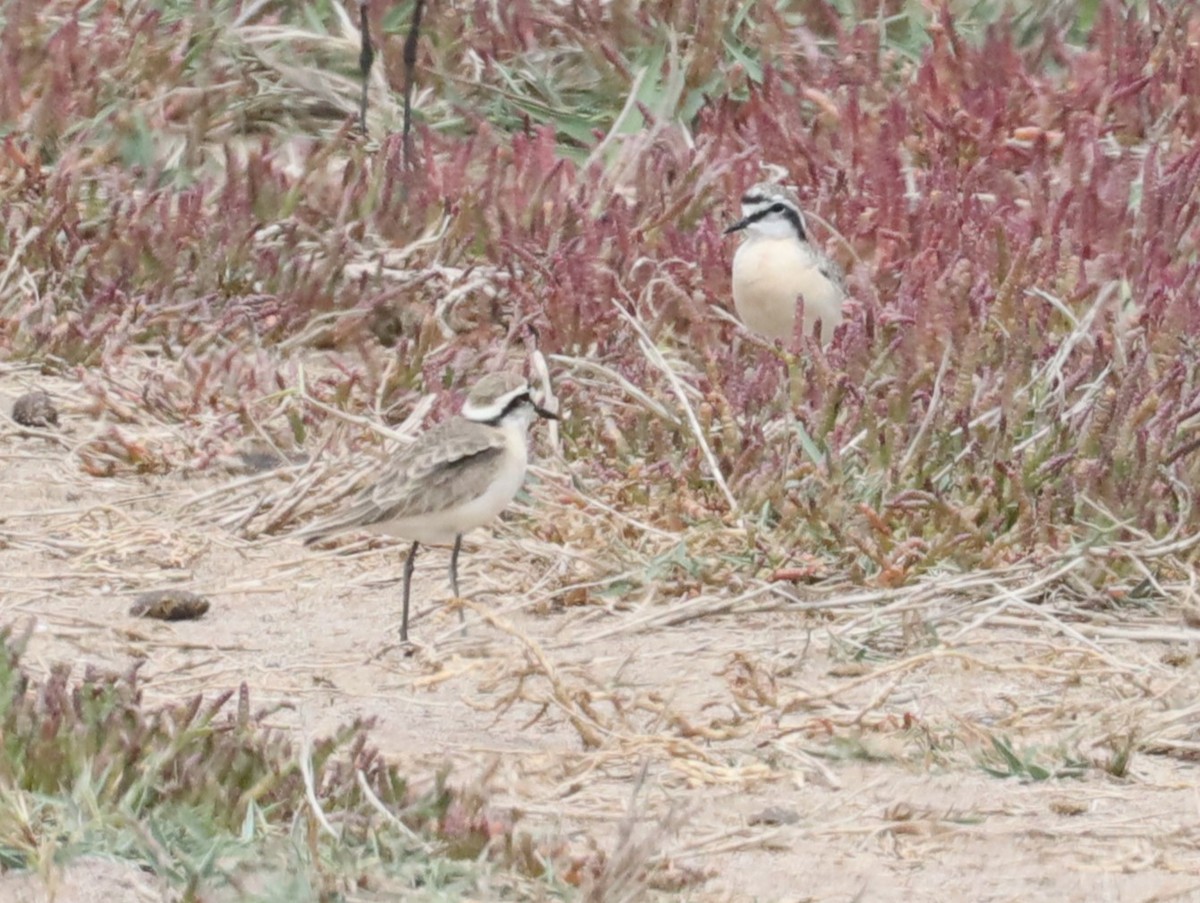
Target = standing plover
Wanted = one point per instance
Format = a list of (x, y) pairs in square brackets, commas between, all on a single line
[(455, 477), (776, 266)]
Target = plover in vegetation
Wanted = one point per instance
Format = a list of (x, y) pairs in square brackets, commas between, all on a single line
[(776, 266), (455, 477)]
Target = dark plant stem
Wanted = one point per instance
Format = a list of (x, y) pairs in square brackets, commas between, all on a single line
[(366, 58), (410, 63)]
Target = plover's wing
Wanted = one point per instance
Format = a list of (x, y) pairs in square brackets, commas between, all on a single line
[(451, 464), (829, 268), (451, 460)]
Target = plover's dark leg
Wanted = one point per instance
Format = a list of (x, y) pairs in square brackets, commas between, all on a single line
[(462, 616), (409, 563)]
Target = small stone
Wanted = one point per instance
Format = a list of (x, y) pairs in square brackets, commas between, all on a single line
[(256, 461), (169, 605), (775, 815), (1065, 806), (35, 409), (259, 461)]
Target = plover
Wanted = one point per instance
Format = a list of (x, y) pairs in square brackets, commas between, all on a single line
[(455, 477), (776, 266)]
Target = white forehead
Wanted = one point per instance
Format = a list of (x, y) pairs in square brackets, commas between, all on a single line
[(760, 197)]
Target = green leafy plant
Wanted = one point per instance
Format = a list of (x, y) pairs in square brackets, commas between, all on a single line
[(1003, 760)]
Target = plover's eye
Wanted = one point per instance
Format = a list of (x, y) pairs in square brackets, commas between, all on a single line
[(777, 207)]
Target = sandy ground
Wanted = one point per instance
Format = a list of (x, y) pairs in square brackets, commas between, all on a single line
[(795, 771)]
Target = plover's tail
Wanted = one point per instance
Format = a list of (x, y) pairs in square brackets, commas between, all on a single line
[(360, 514)]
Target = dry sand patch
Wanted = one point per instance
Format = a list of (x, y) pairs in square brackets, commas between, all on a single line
[(795, 769)]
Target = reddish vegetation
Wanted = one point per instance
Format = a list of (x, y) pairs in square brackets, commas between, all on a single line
[(1019, 371)]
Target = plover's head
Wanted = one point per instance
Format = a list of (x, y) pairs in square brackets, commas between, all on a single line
[(770, 211), (502, 396)]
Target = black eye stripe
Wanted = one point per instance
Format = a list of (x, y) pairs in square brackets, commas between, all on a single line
[(789, 213), (513, 403)]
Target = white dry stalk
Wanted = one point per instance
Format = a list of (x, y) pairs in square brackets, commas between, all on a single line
[(547, 475), (314, 328), (656, 617), (541, 373), (1186, 636), (15, 254), (390, 262), (310, 791), (377, 804), (579, 363), (200, 499), (341, 91), (285, 507), (391, 367), (249, 12), (655, 357), (1148, 546), (602, 145), (663, 281), (623, 878), (401, 435), (1051, 372), (927, 421), (450, 297)]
